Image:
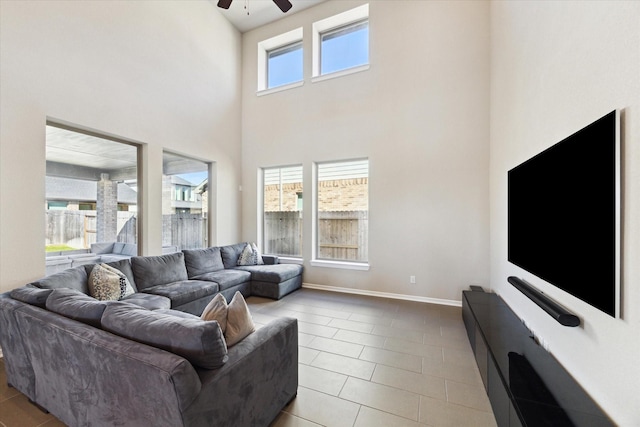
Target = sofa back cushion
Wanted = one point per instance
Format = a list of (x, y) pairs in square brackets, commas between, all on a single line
[(200, 342), (74, 278), (158, 270), (77, 306), (231, 253), (201, 261)]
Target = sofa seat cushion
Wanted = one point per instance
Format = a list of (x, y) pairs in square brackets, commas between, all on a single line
[(272, 273), (158, 270), (148, 301), (201, 261), (198, 341), (77, 306), (226, 278), (184, 291)]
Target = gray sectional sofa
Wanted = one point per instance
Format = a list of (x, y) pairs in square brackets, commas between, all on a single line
[(148, 359)]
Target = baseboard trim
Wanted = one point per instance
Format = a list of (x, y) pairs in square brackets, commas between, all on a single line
[(378, 294)]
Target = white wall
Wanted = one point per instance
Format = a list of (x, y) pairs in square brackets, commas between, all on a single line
[(420, 114), (163, 73), (557, 66)]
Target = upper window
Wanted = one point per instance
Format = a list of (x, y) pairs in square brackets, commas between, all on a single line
[(341, 42), (282, 211), (284, 65), (280, 61), (342, 211)]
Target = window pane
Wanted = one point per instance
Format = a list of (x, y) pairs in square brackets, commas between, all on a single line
[(91, 198), (185, 184), (345, 47), (343, 211), (283, 211), (284, 65)]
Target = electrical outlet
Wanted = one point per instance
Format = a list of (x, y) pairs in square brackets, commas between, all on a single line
[(412, 280)]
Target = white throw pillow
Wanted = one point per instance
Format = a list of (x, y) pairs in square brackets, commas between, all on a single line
[(216, 310), (105, 285), (239, 320)]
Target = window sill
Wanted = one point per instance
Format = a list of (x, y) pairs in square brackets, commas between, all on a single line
[(290, 260), (279, 88), (341, 264), (340, 73)]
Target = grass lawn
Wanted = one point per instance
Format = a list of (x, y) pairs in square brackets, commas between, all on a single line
[(58, 248)]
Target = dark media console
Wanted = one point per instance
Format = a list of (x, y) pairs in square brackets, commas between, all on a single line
[(526, 385)]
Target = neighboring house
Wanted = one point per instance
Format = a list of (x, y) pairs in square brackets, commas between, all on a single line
[(181, 196)]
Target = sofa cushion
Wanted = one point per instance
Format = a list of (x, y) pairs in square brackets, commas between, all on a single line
[(31, 295), (200, 342), (158, 270), (149, 301), (239, 320), (76, 305), (273, 273), (226, 278), (231, 253), (201, 261), (178, 313), (184, 291), (216, 310), (74, 278)]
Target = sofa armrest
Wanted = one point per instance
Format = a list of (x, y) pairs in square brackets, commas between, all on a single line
[(261, 377), (270, 259)]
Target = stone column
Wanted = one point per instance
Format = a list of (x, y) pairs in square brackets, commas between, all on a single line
[(107, 209)]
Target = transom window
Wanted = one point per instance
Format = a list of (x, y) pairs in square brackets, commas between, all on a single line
[(284, 65), (344, 47)]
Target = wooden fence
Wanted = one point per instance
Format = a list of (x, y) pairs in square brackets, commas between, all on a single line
[(78, 229), (342, 235)]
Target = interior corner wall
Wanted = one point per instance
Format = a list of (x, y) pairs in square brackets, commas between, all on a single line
[(165, 74), (419, 114), (556, 67)]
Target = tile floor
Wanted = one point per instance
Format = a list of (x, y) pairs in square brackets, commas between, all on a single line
[(363, 362)]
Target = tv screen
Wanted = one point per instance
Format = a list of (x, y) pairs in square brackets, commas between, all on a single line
[(563, 214)]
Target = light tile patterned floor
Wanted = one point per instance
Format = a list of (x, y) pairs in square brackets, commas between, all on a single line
[(363, 362)]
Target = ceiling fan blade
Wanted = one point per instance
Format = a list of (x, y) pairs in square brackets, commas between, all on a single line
[(224, 3), (284, 5)]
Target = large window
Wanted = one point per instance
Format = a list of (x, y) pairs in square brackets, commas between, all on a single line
[(342, 211), (280, 61), (282, 211), (341, 42), (185, 185), (91, 188)]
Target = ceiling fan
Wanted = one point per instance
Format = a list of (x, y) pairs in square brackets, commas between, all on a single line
[(284, 5)]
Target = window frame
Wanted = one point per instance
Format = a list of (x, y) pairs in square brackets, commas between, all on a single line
[(281, 41), (315, 239), (333, 24)]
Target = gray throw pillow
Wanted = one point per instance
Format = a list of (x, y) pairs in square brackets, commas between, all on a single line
[(200, 342)]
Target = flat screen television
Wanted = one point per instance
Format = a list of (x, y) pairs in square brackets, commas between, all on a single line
[(564, 214)]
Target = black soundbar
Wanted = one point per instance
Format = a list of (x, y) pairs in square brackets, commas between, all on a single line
[(554, 310)]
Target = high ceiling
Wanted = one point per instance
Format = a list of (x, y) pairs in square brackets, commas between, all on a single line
[(261, 12)]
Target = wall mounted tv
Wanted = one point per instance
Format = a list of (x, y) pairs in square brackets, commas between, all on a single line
[(564, 214)]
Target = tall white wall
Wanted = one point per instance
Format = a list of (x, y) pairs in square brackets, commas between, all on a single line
[(555, 67), (419, 114), (162, 73)]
